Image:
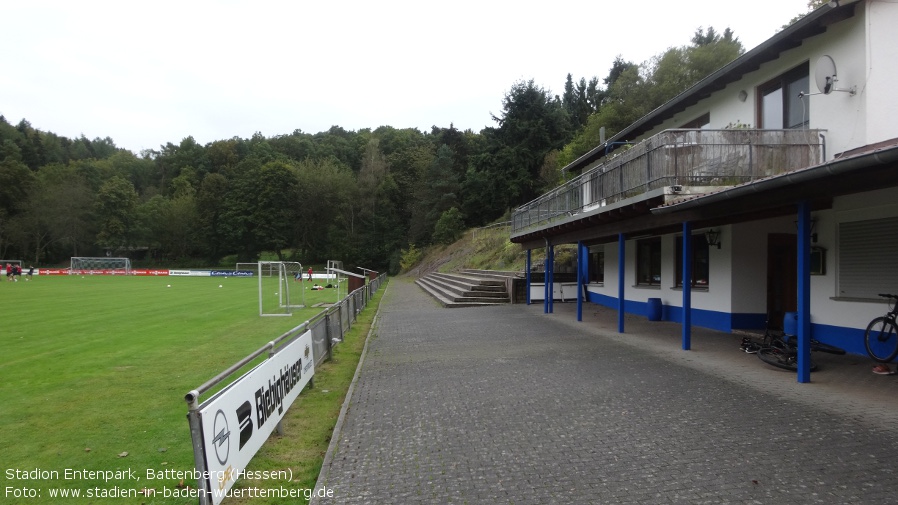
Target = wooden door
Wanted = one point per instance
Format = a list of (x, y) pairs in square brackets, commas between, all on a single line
[(782, 276)]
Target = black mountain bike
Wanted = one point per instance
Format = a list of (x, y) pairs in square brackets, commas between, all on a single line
[(781, 349), (880, 338)]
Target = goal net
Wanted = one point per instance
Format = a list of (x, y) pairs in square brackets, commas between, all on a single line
[(280, 287), (100, 266)]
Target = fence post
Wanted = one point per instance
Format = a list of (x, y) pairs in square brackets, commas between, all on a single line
[(751, 152), (327, 335), (193, 418)]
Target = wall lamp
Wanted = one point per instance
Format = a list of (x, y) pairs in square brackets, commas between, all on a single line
[(713, 238)]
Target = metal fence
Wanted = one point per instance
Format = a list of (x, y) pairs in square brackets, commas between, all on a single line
[(327, 328), (332, 325), (683, 157), (503, 224)]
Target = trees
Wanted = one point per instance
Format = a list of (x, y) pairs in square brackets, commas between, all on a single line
[(449, 227), (812, 4), (170, 226), (116, 205), (379, 233), (325, 209), (438, 191), (275, 212), (57, 214), (258, 211), (532, 124), (634, 90), (211, 208), (581, 100), (16, 180), (359, 196)]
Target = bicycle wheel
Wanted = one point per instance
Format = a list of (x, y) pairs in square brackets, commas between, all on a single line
[(781, 358), (880, 340), (831, 349)]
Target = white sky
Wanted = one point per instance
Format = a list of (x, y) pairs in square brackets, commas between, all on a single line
[(148, 73)]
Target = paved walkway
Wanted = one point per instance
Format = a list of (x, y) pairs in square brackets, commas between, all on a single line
[(510, 405)]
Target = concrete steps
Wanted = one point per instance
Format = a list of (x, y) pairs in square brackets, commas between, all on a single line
[(466, 289)]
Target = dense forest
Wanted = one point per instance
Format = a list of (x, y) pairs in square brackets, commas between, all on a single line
[(357, 196)]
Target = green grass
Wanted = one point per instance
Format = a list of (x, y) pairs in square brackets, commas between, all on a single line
[(92, 368)]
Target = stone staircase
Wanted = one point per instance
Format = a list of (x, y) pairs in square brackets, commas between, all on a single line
[(468, 288)]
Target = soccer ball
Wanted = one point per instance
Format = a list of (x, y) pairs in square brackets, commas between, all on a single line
[(168, 286), (219, 285)]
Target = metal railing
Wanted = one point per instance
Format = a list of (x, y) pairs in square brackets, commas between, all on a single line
[(503, 224), (684, 157), (327, 328)]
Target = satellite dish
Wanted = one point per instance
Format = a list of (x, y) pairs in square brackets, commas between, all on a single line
[(825, 75)]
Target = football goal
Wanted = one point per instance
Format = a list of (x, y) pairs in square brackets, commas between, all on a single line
[(335, 275), (100, 266), (280, 290)]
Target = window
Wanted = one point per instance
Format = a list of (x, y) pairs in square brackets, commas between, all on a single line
[(866, 258), (700, 269), (779, 106), (597, 266), (648, 262)]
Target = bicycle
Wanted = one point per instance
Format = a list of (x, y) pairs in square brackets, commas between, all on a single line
[(880, 338), (780, 349)]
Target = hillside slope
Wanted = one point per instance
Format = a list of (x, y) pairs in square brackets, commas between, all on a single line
[(482, 249)]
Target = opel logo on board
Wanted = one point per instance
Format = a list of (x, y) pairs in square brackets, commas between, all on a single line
[(222, 440)]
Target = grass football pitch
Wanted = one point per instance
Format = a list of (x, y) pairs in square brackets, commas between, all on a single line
[(93, 373)]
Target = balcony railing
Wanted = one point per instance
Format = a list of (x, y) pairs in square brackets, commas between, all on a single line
[(687, 158)]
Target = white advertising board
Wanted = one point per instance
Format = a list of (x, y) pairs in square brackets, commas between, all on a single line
[(237, 420)]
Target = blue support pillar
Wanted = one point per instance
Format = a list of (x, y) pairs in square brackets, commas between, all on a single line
[(687, 285), (582, 276), (546, 281), (528, 276), (621, 269), (804, 292), (550, 292)]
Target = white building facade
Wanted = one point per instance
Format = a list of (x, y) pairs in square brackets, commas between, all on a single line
[(788, 156)]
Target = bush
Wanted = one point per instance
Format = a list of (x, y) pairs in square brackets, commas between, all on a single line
[(409, 257), (449, 227)]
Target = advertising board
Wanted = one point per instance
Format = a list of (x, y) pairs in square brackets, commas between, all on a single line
[(237, 420)]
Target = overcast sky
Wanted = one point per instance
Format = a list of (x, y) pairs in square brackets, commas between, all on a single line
[(148, 73)]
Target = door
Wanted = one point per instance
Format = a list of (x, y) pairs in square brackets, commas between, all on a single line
[(782, 277)]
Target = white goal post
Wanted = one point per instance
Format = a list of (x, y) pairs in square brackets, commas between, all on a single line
[(99, 265), (278, 295), (334, 268)]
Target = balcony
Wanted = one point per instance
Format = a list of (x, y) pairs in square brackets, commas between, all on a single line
[(673, 163)]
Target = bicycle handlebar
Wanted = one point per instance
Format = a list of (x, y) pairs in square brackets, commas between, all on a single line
[(886, 295)]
